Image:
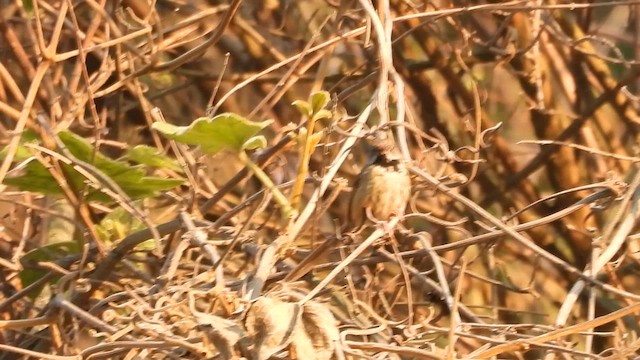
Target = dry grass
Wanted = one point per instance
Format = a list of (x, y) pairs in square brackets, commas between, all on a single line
[(518, 120)]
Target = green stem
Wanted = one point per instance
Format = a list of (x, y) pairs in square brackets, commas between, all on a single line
[(303, 166), (287, 211)]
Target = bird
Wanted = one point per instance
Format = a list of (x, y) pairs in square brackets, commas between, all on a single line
[(383, 188)]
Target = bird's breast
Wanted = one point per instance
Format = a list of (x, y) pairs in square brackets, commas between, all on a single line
[(387, 190)]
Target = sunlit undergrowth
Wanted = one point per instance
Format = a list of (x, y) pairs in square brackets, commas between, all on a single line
[(176, 178)]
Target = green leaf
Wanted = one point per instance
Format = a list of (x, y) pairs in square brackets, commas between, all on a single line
[(322, 114), (49, 253), (138, 186), (132, 179), (315, 139), (150, 156), (27, 5), (225, 131), (36, 178), (303, 107), (319, 100), (256, 142), (23, 152), (118, 224)]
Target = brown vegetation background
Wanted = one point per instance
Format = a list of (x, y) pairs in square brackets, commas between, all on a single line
[(519, 120)]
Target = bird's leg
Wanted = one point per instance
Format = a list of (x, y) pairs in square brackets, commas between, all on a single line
[(399, 213), (388, 230)]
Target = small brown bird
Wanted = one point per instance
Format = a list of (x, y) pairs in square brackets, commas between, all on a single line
[(383, 187)]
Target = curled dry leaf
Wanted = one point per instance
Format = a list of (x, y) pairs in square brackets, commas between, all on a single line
[(309, 332), (488, 134), (271, 323), (320, 327), (224, 333)]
